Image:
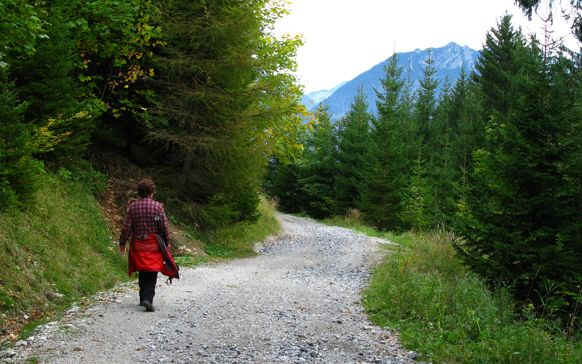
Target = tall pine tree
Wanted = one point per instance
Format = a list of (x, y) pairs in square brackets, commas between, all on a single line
[(388, 174), (522, 222), (319, 167), (224, 82), (352, 155), (419, 199)]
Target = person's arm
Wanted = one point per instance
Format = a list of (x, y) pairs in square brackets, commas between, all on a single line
[(125, 232)]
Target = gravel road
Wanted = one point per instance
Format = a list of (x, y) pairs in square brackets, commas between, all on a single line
[(298, 301)]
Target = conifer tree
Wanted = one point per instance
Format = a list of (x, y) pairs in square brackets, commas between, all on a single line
[(425, 107), (319, 167), (352, 155), (467, 121), (497, 65), (19, 171), (522, 221), (282, 184), (442, 170), (420, 195), (388, 174), (21, 28), (224, 82)]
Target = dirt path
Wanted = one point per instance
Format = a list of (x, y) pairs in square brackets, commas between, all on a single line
[(299, 301)]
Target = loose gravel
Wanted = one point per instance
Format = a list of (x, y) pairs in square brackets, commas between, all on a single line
[(297, 302)]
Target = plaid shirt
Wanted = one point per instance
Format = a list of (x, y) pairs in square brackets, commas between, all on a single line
[(139, 221)]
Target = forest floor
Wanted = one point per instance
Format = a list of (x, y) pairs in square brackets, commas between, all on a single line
[(298, 301)]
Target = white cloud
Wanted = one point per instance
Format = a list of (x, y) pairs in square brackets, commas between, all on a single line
[(343, 38)]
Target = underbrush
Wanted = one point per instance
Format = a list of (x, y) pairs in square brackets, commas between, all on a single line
[(447, 314), (237, 240), (54, 252)]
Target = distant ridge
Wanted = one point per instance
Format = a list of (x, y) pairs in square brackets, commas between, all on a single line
[(312, 99), (448, 61)]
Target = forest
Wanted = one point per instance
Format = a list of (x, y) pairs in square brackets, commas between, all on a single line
[(203, 93), (496, 158)]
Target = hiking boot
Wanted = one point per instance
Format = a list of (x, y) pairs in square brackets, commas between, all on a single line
[(148, 306)]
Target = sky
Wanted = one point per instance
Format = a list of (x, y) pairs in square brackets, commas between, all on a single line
[(344, 38)]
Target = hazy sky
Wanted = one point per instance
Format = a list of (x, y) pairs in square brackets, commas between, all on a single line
[(344, 38)]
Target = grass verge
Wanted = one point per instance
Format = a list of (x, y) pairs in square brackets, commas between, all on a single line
[(405, 239), (237, 240), (56, 251), (447, 314)]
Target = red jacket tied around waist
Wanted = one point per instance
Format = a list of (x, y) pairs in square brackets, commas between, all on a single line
[(139, 227)]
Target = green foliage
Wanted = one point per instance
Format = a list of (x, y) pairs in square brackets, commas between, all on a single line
[(225, 96), (417, 198), (59, 245), (498, 158), (282, 183), (353, 140), (218, 99), (421, 209), (425, 107), (522, 222), (19, 171), (76, 64), (82, 172), (237, 240), (318, 169), (388, 176), (21, 27), (449, 315)]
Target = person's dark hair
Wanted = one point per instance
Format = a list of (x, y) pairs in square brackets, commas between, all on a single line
[(145, 187)]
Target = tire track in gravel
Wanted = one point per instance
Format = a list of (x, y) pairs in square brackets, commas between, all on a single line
[(298, 301)]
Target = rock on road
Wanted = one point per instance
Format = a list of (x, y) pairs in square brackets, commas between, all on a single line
[(298, 301)]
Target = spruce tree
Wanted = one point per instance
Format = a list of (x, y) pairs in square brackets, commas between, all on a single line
[(426, 103), (442, 170), (522, 221), (282, 184), (19, 171), (388, 174), (352, 155), (419, 199), (319, 167), (224, 83), (465, 122)]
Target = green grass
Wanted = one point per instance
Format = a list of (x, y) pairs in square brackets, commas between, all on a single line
[(29, 327), (447, 314), (404, 239), (188, 261), (237, 240), (56, 251)]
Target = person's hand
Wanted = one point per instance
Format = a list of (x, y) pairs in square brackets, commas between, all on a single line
[(122, 249)]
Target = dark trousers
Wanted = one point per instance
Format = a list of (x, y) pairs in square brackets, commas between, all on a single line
[(147, 286)]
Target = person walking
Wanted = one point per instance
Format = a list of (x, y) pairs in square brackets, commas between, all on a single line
[(142, 231)]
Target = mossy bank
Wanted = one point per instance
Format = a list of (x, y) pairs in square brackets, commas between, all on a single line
[(54, 252)]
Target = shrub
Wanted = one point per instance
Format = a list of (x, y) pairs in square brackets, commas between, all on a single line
[(19, 171), (449, 315)]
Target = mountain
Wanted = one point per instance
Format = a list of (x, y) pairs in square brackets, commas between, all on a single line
[(448, 61), (312, 99)]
